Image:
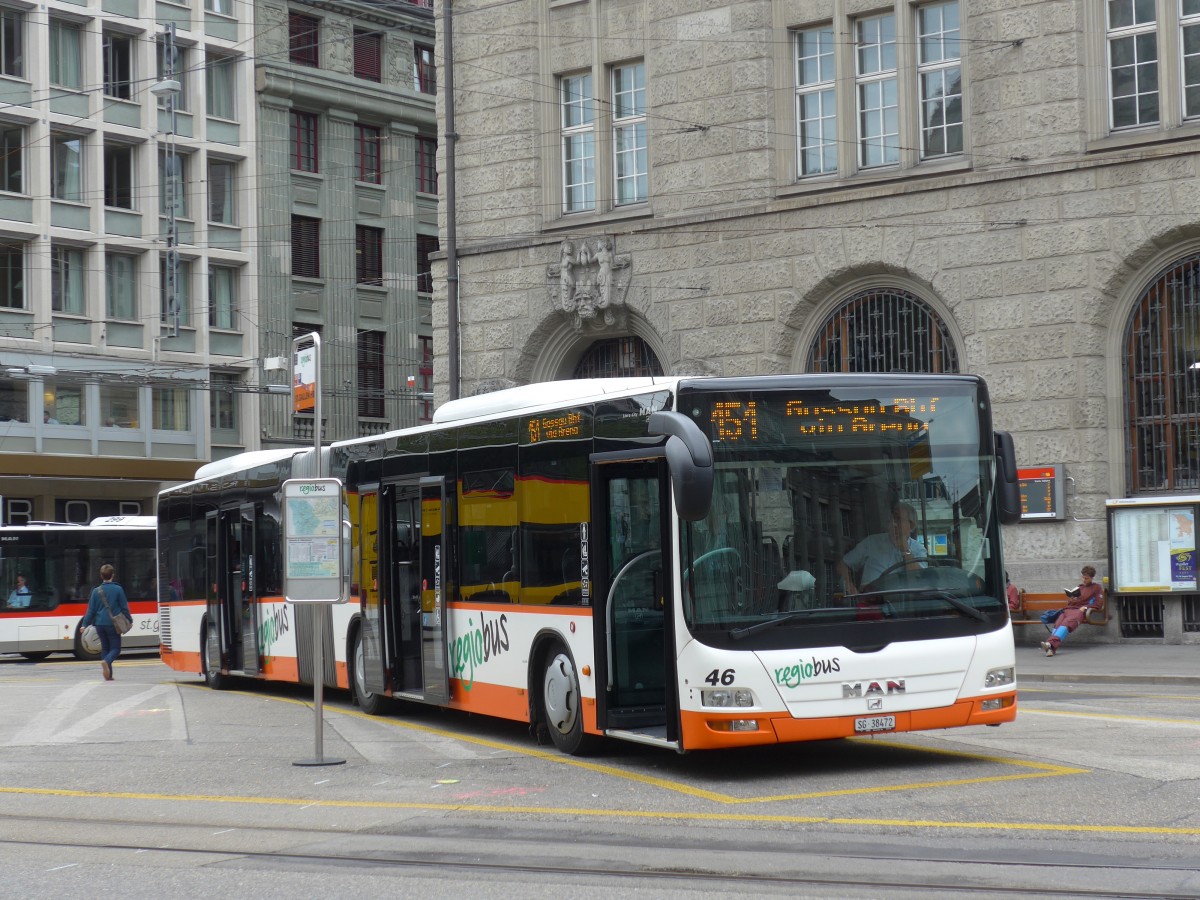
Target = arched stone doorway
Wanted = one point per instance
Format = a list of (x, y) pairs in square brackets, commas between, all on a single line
[(883, 330), (621, 357)]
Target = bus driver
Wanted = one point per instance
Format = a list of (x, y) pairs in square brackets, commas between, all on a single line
[(891, 550)]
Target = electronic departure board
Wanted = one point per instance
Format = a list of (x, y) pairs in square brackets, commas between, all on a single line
[(1041, 493)]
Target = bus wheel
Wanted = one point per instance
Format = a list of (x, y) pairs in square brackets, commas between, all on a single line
[(81, 653), (37, 656), (561, 704), (371, 703), (212, 660)]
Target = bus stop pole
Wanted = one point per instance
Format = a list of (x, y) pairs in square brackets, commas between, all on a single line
[(318, 608)]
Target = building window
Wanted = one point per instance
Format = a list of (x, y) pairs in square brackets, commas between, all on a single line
[(623, 357), (118, 65), (368, 254), (907, 106), (63, 404), (172, 183), (1162, 383), (426, 245), (12, 43), (222, 297), (66, 167), (883, 331), (939, 76), (12, 275), (427, 180), (171, 409), (424, 70), (12, 160), (425, 379), (304, 39), (578, 143), (67, 280), (629, 133), (66, 54), (368, 55), (223, 392), (366, 144), (219, 80), (221, 7), (14, 403), (816, 101), (1133, 61), (304, 141), (306, 247), (118, 406), (183, 291), (221, 176), (118, 176), (120, 286), (173, 67), (370, 374), (875, 91)]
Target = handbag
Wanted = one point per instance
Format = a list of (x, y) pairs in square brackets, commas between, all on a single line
[(1049, 616), (89, 639), (120, 621)]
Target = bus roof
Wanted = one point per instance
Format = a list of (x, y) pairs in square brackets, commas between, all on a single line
[(124, 522), (242, 461), (548, 393)]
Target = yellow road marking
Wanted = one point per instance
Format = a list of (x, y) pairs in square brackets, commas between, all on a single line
[(610, 813), (1195, 723), (1039, 770)]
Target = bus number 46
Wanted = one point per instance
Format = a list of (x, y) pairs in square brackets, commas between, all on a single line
[(716, 677)]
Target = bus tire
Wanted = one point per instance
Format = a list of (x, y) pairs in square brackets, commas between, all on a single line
[(36, 656), (371, 703), (80, 652), (562, 703), (211, 659)]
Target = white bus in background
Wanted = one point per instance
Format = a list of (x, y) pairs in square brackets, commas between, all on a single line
[(60, 564)]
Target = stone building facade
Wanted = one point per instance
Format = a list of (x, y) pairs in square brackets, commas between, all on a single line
[(750, 187), (347, 206)]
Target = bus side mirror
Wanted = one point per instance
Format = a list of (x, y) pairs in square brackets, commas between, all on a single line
[(690, 461), (1008, 486)]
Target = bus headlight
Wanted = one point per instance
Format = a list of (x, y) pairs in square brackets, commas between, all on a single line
[(999, 677), (728, 697)]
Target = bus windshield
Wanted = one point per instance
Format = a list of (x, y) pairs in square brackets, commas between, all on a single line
[(836, 509)]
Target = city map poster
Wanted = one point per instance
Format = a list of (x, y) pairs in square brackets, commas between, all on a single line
[(313, 524), (1154, 548)]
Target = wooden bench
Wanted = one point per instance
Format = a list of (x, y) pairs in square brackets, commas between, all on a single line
[(1033, 605)]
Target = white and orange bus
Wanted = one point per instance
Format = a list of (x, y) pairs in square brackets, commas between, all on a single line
[(656, 560), (60, 565)]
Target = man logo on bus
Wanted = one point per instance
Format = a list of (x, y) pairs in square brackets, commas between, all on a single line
[(873, 689)]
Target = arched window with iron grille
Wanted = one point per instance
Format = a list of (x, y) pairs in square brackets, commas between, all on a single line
[(622, 357), (1161, 368), (883, 331)]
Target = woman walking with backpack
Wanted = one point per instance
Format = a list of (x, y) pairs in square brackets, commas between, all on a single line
[(108, 602)]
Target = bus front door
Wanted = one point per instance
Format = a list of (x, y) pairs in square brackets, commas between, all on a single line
[(633, 601)]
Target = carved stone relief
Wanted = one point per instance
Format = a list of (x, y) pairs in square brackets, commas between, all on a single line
[(589, 282)]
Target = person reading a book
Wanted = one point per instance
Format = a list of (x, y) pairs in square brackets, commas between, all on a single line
[(1088, 595)]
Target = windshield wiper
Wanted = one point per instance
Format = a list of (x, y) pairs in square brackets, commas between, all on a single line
[(738, 633), (939, 594)]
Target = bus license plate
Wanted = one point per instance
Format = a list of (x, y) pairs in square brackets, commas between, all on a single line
[(875, 723)]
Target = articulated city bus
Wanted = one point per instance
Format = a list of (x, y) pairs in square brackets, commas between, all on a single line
[(58, 565), (663, 560)]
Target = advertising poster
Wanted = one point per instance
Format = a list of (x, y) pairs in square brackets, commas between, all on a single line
[(1154, 548)]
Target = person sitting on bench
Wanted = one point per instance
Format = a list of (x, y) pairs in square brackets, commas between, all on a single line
[(1087, 596)]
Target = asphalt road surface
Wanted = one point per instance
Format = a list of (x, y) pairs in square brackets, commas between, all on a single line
[(152, 785)]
